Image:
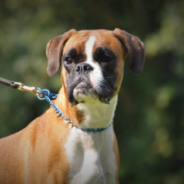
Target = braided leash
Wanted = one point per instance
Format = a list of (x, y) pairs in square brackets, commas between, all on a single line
[(48, 96), (45, 94)]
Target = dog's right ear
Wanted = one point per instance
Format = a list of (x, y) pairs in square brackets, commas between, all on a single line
[(54, 51)]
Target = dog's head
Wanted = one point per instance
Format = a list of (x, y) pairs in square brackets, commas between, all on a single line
[(93, 62)]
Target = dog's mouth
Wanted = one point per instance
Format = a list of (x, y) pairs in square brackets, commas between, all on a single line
[(83, 85), (82, 91)]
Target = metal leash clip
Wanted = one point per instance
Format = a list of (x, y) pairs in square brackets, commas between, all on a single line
[(22, 87)]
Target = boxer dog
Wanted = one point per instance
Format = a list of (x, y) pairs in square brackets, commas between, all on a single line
[(51, 150)]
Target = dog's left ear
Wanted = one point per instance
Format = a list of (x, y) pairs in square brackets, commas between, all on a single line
[(54, 51), (134, 48)]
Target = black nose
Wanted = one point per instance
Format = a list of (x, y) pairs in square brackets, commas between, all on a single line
[(83, 68)]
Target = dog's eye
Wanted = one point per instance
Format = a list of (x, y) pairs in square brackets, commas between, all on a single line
[(68, 60)]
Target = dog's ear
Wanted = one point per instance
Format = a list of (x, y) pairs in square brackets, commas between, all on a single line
[(134, 48), (54, 51)]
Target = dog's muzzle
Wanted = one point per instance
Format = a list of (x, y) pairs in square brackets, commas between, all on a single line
[(80, 86)]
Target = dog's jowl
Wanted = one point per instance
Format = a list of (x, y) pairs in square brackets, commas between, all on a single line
[(51, 150)]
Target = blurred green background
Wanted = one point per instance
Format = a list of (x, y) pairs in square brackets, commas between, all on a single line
[(149, 121)]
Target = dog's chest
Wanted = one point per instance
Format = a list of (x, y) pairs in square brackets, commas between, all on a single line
[(91, 157)]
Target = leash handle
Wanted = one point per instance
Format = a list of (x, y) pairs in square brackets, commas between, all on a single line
[(9, 83), (20, 86)]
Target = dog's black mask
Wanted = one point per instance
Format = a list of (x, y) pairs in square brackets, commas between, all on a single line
[(81, 74)]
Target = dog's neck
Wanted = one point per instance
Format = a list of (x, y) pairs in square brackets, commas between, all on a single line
[(99, 115), (86, 115)]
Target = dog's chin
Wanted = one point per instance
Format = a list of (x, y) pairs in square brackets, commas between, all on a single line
[(84, 93)]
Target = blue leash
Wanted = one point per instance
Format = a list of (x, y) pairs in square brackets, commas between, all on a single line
[(47, 95)]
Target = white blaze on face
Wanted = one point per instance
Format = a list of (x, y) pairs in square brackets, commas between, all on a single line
[(96, 76), (89, 47)]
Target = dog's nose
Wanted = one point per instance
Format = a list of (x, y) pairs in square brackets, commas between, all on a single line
[(83, 68)]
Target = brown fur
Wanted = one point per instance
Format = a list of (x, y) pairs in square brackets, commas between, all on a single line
[(36, 154)]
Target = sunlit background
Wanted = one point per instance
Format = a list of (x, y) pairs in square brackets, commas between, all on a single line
[(149, 120)]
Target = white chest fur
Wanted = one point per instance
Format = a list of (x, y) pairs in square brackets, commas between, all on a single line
[(91, 155)]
